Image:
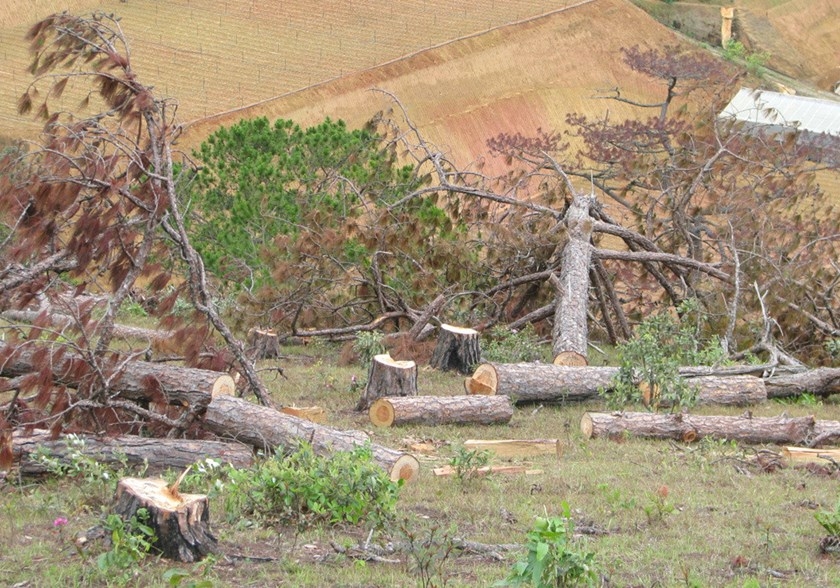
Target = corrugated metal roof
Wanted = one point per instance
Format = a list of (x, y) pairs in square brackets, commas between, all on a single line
[(771, 108)]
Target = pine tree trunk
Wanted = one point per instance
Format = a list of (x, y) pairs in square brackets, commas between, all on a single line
[(441, 410), (263, 343), (388, 377), (181, 522), (457, 349), (689, 428)]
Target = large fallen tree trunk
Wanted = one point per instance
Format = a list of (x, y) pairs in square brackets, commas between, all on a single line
[(131, 450), (538, 382), (819, 382), (689, 427), (134, 380), (268, 429), (441, 410)]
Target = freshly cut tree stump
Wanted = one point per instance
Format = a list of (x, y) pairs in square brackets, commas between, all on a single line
[(516, 447), (689, 428), (388, 377), (457, 349), (441, 410), (181, 522), (158, 454), (264, 343), (268, 429)]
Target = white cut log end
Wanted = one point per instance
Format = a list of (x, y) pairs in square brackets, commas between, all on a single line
[(223, 386), (485, 380), (586, 426), (382, 413), (405, 468)]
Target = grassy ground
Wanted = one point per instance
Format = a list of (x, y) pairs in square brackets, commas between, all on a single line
[(653, 513)]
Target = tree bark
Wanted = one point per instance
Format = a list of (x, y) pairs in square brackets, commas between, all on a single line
[(388, 377), (516, 447), (58, 319), (135, 380), (134, 451), (441, 410), (268, 429), (457, 349), (264, 343), (570, 333), (181, 522), (689, 428), (819, 382), (539, 382)]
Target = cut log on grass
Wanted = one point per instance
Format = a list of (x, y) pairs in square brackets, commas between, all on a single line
[(135, 380), (441, 410), (819, 382), (269, 429), (807, 455), (539, 382), (689, 428), (515, 447), (263, 343), (181, 522), (483, 471), (457, 349), (388, 377), (316, 414), (131, 450), (825, 432)]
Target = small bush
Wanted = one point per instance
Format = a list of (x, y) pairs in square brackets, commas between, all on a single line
[(304, 489), (506, 346), (368, 344), (467, 463)]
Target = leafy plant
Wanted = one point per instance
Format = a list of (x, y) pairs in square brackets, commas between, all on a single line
[(467, 463), (830, 520), (507, 346), (131, 542), (658, 506), (650, 362), (553, 561), (304, 489), (368, 344), (429, 549)]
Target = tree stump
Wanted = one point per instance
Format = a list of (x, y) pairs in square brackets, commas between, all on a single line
[(181, 522), (457, 349), (264, 343), (388, 377), (440, 410)]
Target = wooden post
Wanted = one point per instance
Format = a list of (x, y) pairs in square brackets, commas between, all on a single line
[(457, 349), (388, 377), (181, 522), (727, 14), (440, 410)]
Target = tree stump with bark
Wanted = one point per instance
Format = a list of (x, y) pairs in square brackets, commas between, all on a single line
[(388, 377), (458, 349), (441, 410), (181, 522), (264, 343), (689, 428)]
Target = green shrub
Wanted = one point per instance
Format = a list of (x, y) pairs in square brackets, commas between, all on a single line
[(830, 520), (368, 344), (131, 542), (468, 462), (506, 346), (305, 489), (553, 561)]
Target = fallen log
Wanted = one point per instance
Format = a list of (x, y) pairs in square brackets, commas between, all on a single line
[(131, 450), (181, 522), (134, 380), (539, 382), (689, 428), (825, 432), (388, 377), (441, 410), (515, 447), (457, 349), (268, 429), (819, 382), (64, 321)]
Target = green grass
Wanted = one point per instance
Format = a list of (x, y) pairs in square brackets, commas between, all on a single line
[(669, 514)]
